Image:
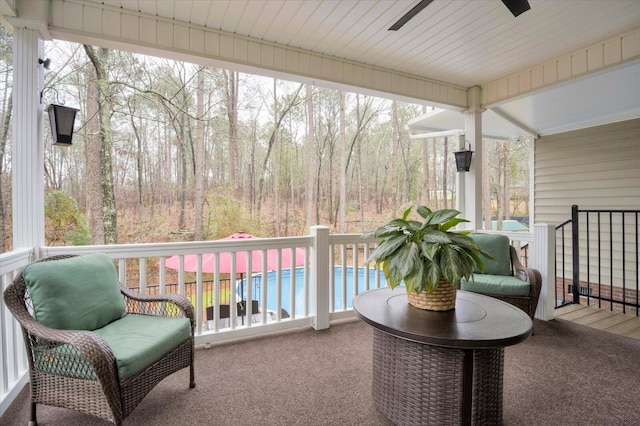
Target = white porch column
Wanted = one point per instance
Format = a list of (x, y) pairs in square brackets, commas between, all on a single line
[(320, 277), (27, 130), (473, 178), (460, 182), (543, 259)]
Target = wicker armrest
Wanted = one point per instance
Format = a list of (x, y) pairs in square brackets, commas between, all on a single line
[(530, 275), (169, 305), (67, 352)]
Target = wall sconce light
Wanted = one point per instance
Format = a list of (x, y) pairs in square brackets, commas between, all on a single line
[(45, 62), (62, 119), (463, 159)]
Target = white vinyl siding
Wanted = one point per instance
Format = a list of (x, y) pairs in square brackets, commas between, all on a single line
[(596, 168)]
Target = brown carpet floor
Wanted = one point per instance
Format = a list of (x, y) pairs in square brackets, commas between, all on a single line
[(565, 374)]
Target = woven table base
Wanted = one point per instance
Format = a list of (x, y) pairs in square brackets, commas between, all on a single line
[(415, 384)]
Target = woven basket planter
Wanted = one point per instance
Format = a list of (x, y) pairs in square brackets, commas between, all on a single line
[(443, 298)]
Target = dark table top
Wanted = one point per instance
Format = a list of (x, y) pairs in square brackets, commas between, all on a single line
[(477, 321)]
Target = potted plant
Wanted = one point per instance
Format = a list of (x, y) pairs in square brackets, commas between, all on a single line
[(428, 257)]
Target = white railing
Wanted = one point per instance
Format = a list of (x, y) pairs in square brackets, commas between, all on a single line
[(318, 291), (14, 372), (286, 297)]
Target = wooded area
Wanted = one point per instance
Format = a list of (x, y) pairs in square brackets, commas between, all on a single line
[(173, 151)]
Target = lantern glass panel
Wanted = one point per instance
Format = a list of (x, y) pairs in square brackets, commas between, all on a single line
[(62, 120)]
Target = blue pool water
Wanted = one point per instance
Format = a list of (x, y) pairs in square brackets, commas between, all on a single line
[(299, 294)]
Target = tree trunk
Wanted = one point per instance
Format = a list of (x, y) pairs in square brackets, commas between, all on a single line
[(272, 140), (182, 150), (139, 154), (3, 143), (343, 172), (105, 166), (507, 180), (359, 162), (445, 195), (199, 160), (426, 182), (501, 166), (434, 184), (276, 163), (486, 185), (310, 163), (394, 157), (231, 80)]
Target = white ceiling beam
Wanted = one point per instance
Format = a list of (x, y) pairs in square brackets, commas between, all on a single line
[(515, 122), (456, 132), (114, 27)]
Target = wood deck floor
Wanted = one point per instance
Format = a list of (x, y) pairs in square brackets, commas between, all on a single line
[(601, 319)]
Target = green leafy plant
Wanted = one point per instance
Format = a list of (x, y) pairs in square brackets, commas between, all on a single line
[(64, 220), (420, 253)]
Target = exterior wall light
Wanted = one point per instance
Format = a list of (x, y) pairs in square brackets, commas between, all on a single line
[(62, 119), (463, 159)]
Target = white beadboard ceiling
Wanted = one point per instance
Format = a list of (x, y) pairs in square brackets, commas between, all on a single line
[(460, 42), (464, 42)]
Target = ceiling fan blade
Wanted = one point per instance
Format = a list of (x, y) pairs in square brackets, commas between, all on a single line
[(517, 6), (410, 14)]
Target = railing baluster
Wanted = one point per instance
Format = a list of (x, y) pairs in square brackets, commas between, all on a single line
[(611, 260), (343, 276), (575, 246), (599, 254), (624, 268), (626, 222), (588, 261), (355, 272), (637, 269)]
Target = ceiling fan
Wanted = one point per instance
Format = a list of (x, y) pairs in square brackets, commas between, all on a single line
[(515, 6)]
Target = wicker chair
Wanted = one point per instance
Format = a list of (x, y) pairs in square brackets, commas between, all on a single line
[(77, 369), (512, 267)]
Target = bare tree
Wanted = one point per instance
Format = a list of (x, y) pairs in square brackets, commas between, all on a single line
[(506, 152), (3, 143), (99, 58), (445, 189), (276, 162), (486, 185), (293, 101), (310, 151), (343, 164), (394, 170), (199, 159), (231, 92)]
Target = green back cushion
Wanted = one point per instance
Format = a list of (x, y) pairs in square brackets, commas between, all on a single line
[(78, 293), (498, 247)]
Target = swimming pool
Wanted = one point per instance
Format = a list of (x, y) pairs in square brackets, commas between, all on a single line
[(299, 295)]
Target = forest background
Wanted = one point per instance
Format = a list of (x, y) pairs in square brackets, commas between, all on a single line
[(172, 151)]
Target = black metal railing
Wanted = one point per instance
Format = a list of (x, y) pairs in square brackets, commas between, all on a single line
[(605, 253), (207, 290)]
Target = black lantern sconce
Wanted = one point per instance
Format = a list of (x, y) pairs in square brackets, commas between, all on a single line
[(463, 159), (62, 119)]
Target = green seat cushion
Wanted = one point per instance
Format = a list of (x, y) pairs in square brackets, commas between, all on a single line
[(77, 293), (498, 247), (496, 284), (137, 341)]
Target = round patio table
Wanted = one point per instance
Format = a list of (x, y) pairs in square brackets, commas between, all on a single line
[(440, 368)]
